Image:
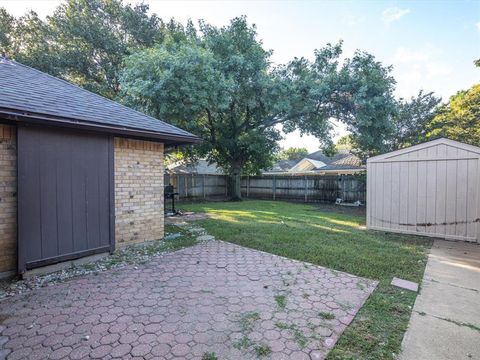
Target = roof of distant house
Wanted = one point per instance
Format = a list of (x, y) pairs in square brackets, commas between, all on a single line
[(29, 95), (342, 160), (201, 167), (283, 165)]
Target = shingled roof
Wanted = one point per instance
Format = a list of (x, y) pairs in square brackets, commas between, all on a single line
[(30, 95)]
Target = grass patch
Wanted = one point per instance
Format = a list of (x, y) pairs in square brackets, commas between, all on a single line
[(262, 350), (281, 325), (209, 356), (298, 335), (243, 343), (326, 315), (138, 254), (247, 321), (281, 301), (333, 237)]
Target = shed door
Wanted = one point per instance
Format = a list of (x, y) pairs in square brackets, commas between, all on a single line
[(65, 195)]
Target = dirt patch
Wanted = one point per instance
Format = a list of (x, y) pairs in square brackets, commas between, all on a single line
[(185, 217)]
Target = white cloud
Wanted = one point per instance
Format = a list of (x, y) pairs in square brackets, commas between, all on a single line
[(404, 55), (352, 20), (393, 14), (478, 25), (423, 68), (435, 69)]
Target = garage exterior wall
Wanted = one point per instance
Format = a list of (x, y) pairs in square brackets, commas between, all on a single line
[(8, 199), (139, 209), (430, 189), (139, 169)]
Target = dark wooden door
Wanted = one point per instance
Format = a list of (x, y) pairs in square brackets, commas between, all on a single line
[(65, 195)]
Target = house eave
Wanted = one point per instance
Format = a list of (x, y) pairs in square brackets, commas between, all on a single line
[(18, 116)]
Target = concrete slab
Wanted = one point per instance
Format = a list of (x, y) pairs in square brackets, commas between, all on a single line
[(454, 263), (446, 319), (449, 302), (405, 284), (429, 338), (63, 265)]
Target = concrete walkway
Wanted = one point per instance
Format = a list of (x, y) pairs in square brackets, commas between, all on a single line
[(445, 322)]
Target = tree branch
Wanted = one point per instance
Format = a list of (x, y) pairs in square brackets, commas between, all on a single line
[(212, 128)]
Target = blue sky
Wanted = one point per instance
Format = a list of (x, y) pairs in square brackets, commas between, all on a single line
[(431, 44)]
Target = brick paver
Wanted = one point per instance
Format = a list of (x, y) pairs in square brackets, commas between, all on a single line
[(215, 297)]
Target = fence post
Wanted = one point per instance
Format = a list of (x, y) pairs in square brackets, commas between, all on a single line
[(226, 185), (274, 186), (306, 187), (248, 186), (203, 187), (177, 184)]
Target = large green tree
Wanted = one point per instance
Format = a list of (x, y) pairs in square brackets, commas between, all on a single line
[(411, 119), (84, 41), (94, 36), (7, 23), (221, 86), (459, 119), (292, 153)]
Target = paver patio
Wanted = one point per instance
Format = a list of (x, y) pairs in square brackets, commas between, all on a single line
[(214, 297)]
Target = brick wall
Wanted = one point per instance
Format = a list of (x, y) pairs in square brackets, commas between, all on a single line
[(8, 198), (138, 191)]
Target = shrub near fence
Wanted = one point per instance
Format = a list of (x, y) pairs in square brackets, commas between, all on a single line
[(310, 188)]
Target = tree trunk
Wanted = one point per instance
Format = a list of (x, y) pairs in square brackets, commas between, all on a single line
[(235, 180)]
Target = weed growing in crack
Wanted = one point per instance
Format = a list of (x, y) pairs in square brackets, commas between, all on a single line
[(281, 301), (247, 321), (262, 350), (243, 343), (209, 356), (326, 315)]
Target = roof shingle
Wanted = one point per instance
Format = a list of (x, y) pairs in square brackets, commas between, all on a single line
[(28, 90)]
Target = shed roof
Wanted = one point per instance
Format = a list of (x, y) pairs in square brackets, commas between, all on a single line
[(27, 94), (425, 145)]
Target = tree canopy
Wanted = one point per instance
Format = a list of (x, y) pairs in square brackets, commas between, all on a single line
[(292, 153), (411, 119), (84, 41), (459, 119), (219, 84)]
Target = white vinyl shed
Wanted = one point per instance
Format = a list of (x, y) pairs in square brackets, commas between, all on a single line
[(429, 189)]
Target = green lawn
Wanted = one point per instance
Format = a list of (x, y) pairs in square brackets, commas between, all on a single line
[(325, 236)]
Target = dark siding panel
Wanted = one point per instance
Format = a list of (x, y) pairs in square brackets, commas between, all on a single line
[(104, 198), (64, 199), (92, 192), (28, 199), (64, 195), (47, 155), (79, 205)]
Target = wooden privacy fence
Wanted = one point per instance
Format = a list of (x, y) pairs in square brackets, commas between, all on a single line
[(310, 188), (198, 186)]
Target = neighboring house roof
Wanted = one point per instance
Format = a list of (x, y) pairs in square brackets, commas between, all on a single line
[(307, 164), (30, 95), (282, 166), (201, 167), (318, 161)]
